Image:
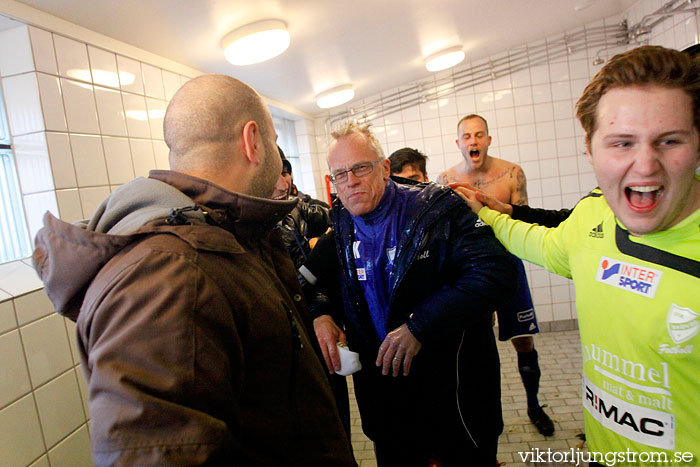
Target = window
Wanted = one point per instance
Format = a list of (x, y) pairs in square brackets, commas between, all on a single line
[(14, 234), (287, 140)]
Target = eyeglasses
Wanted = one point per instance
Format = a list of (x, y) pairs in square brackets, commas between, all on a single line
[(358, 170)]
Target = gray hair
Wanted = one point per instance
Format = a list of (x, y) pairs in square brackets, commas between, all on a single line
[(351, 127)]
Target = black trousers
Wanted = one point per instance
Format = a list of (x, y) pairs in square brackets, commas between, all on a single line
[(407, 455)]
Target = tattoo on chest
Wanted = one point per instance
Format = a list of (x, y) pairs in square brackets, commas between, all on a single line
[(483, 182)]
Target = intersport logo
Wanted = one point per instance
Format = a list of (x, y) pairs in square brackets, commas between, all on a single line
[(627, 276)]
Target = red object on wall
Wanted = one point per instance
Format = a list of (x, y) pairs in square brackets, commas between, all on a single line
[(328, 189)]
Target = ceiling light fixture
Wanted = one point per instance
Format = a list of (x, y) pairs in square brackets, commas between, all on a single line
[(335, 96), (256, 42), (444, 59), (582, 6)]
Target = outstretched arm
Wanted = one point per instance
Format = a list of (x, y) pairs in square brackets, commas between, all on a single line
[(476, 199)]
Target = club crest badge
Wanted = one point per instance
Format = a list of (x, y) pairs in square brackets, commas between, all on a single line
[(682, 323), (391, 253)]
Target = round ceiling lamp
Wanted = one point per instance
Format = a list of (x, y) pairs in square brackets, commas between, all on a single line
[(336, 96), (444, 59), (256, 42)]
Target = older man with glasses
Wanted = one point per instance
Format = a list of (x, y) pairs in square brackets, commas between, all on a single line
[(419, 277)]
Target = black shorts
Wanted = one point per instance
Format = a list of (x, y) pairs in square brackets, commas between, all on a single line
[(517, 317)]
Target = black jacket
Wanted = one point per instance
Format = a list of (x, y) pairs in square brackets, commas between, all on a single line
[(450, 274), (305, 221), (546, 217)]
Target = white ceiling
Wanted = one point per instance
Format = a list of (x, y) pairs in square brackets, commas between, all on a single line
[(373, 44)]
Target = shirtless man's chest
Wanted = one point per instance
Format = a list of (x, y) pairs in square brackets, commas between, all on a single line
[(501, 181), (498, 184)]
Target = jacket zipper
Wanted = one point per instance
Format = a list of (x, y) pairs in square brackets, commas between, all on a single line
[(297, 346), (176, 216), (422, 235)]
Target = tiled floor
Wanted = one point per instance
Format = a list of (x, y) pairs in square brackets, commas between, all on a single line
[(560, 388)]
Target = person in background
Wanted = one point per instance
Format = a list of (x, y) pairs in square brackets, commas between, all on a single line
[(304, 224), (409, 163), (634, 255), (517, 321), (418, 279), (545, 217), (191, 325), (293, 191), (300, 229)]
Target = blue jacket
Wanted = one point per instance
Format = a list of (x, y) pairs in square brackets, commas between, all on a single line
[(450, 274)]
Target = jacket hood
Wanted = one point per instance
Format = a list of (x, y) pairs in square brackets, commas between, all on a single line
[(68, 256)]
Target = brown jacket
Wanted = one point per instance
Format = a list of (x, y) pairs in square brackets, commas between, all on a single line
[(192, 329)]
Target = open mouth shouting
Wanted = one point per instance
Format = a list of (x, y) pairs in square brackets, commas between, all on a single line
[(643, 199)]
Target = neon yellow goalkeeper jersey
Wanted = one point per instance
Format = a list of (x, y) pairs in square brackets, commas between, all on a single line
[(638, 305)]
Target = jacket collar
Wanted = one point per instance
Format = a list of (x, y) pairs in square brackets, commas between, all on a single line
[(383, 209), (232, 211)]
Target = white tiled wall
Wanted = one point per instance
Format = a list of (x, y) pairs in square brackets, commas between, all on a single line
[(531, 117), (64, 98), (85, 120), (311, 164), (42, 402)]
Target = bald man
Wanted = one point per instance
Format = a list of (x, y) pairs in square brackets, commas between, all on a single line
[(191, 325)]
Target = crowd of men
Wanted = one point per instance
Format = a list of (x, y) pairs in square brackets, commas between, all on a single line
[(213, 306)]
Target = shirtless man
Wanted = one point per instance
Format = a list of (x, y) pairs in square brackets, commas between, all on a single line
[(504, 181)]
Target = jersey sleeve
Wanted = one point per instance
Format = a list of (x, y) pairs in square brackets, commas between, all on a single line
[(545, 246), (545, 217)]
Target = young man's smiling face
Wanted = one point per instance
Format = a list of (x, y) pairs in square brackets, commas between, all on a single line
[(644, 152)]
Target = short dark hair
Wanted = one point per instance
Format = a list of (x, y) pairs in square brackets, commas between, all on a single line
[(286, 165), (407, 156), (469, 117), (693, 50)]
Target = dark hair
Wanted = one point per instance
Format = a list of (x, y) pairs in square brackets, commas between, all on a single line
[(693, 50), (469, 117), (285, 163), (407, 156), (647, 65)]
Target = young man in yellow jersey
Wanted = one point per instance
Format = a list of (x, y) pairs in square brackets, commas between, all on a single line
[(634, 256)]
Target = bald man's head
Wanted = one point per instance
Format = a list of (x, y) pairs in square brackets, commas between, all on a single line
[(204, 120)]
